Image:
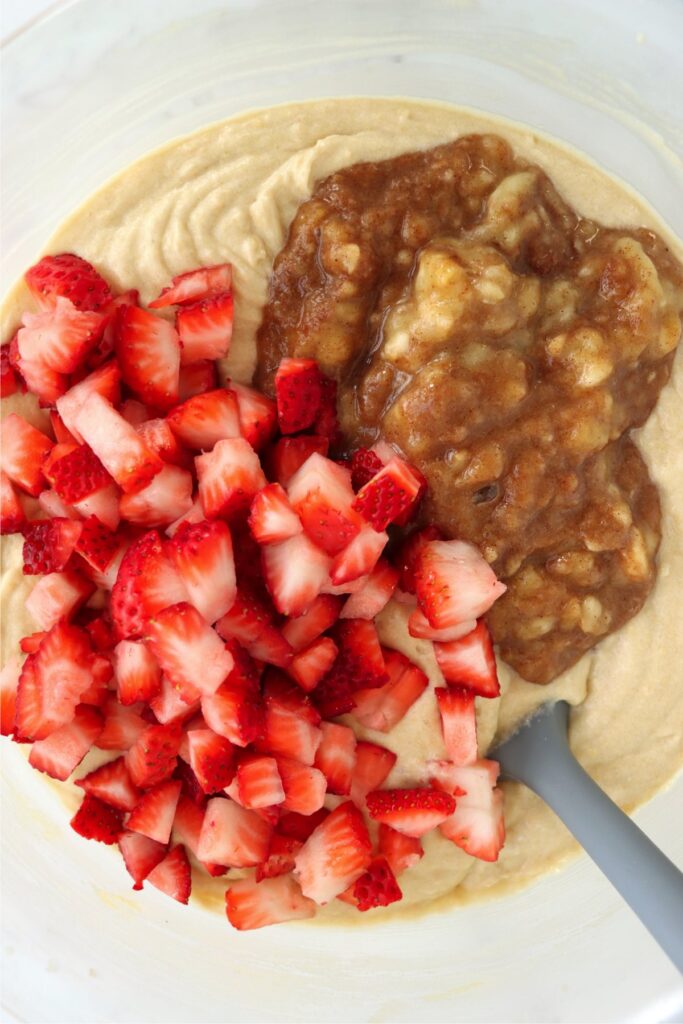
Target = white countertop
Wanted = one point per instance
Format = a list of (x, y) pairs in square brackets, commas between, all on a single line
[(16, 14)]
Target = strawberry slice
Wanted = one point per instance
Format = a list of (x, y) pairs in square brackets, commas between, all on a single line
[(301, 631), (359, 558), (173, 876), (52, 681), (295, 571), (167, 497), (190, 653), (454, 583), (365, 463), (281, 854), (9, 681), (159, 438), (383, 707), (402, 852), (205, 419), (251, 623), (376, 592), (258, 415), (148, 353), (259, 783), (290, 453), (291, 723), (360, 654), (458, 721), (337, 853), (58, 338), (202, 554), (122, 726), (391, 494), (115, 442), (205, 328), (153, 815), (147, 582), (12, 517), (153, 755), (202, 283), (187, 828), (377, 887), (212, 759), (373, 766), (140, 855), (233, 835), (8, 378), (304, 786), (196, 378), (336, 756), (477, 825), (298, 394), (138, 676), (97, 544), (321, 493), (408, 554), (309, 666), (112, 784), (64, 749), (470, 662), (410, 811), (418, 626), (68, 276), (229, 478), (272, 518), (251, 904), (23, 452), (97, 820), (78, 474), (235, 713)]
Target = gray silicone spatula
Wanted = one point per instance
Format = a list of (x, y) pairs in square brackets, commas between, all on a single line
[(538, 755)]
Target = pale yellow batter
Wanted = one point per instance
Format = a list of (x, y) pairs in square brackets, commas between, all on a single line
[(228, 192)]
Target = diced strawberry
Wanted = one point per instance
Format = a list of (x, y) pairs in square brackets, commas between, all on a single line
[(310, 665), (101, 633), (326, 422), (321, 493), (205, 328), (97, 544), (153, 815), (454, 583), (408, 554), (122, 726), (336, 756), (298, 394), (259, 783), (295, 571), (203, 556), (62, 435), (290, 453), (112, 784), (53, 457), (58, 338), (303, 785), (52, 681), (418, 626), (272, 518), (69, 276), (477, 825), (360, 653), (402, 852), (251, 623), (97, 820), (12, 517), (57, 596), (147, 582), (300, 826), (196, 378), (23, 451), (8, 378), (195, 515), (45, 383), (153, 755), (337, 853), (138, 676), (103, 505), (383, 707), (9, 681), (233, 835), (140, 855), (202, 283), (173, 876), (104, 348), (52, 504), (375, 593), (187, 828), (159, 437), (190, 653), (212, 759), (373, 765), (301, 631), (134, 412), (281, 854), (234, 713), (64, 749), (30, 644), (470, 662), (104, 381), (251, 904), (229, 477), (390, 494), (160, 502), (148, 353), (291, 723), (410, 811), (205, 419), (122, 452), (77, 474), (258, 415), (359, 558), (377, 887), (365, 463), (458, 721), (334, 694), (169, 706)]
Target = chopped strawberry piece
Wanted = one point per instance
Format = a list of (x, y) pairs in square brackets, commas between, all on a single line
[(258, 415), (205, 419), (454, 583), (290, 453), (375, 593), (103, 505), (12, 517), (189, 651), (360, 654), (251, 623), (112, 784), (134, 412), (407, 556), (9, 681), (251, 904), (301, 826), (390, 494), (104, 381), (212, 759), (470, 662), (195, 515), (373, 765), (233, 835), (418, 626), (477, 825), (64, 749), (8, 378), (234, 713), (52, 504), (101, 633), (148, 352), (411, 811), (303, 785), (30, 644), (326, 422), (203, 283), (54, 456), (173, 876), (196, 378), (376, 888), (458, 722), (383, 707), (160, 502), (97, 820), (336, 756), (97, 544), (334, 694), (205, 328), (153, 755), (57, 596), (272, 518), (41, 380), (68, 276), (259, 783), (58, 338), (153, 815), (321, 493), (52, 681), (147, 582), (337, 853), (229, 477), (122, 452), (23, 451), (78, 474), (301, 631), (138, 676), (159, 438), (359, 558), (187, 828), (62, 435), (122, 726), (365, 463), (291, 723), (402, 852), (203, 556), (140, 855), (298, 394), (281, 854), (309, 666), (295, 571), (169, 705)]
